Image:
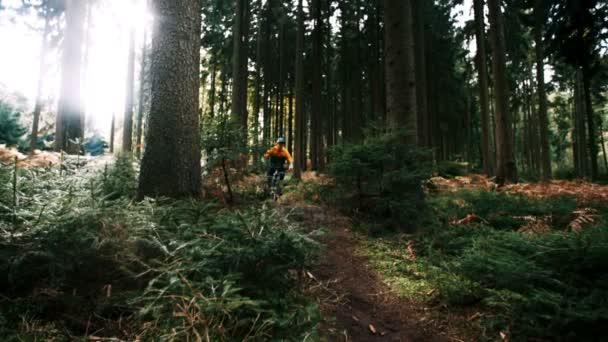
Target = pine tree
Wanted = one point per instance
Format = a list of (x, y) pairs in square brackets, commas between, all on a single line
[(171, 163)]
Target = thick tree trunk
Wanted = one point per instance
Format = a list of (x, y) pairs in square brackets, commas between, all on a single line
[(482, 70), (421, 85), (70, 110), (171, 165), (41, 75), (542, 95), (300, 135), (400, 73), (142, 82), (506, 170), (127, 130)]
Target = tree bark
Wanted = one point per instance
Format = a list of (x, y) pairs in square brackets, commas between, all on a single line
[(142, 81), (171, 166), (112, 132), (400, 72), (239, 63), (70, 110), (542, 95), (482, 70), (506, 170), (127, 130), (421, 85), (300, 148), (593, 150), (212, 90), (317, 84), (41, 75)]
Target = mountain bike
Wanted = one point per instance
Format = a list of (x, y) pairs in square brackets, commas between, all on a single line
[(276, 189)]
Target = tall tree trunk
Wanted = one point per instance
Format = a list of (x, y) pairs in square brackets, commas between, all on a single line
[(212, 90), (127, 130), (317, 84), (41, 76), (142, 82), (591, 134), (580, 133), (281, 86), (239, 63), (112, 132), (70, 110), (300, 135), (421, 85), (542, 95), (482, 70), (506, 170), (171, 165), (400, 72), (257, 97), (290, 121)]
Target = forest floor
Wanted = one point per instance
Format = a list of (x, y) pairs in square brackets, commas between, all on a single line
[(358, 305)]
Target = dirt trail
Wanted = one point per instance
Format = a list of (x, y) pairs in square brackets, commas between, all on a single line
[(364, 308)]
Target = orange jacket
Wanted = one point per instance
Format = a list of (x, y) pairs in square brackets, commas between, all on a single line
[(278, 152)]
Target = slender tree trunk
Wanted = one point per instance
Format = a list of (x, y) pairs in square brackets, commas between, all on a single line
[(506, 166), (171, 165), (421, 86), (300, 146), (488, 159), (142, 82), (400, 73), (112, 132), (591, 134), (582, 162), (257, 98), (317, 84), (281, 85), (127, 131), (70, 110), (212, 90), (542, 95), (41, 76), (290, 121)]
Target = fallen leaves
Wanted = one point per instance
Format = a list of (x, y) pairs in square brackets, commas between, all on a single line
[(38, 159), (583, 217), (584, 191)]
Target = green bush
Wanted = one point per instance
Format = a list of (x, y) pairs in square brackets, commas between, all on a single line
[(382, 176), (120, 179), (11, 129), (81, 260)]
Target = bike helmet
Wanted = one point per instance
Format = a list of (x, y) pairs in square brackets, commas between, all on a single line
[(281, 140)]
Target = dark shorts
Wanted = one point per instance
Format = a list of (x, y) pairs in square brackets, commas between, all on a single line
[(272, 170)]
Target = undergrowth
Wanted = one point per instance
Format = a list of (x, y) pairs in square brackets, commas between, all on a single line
[(548, 284), (79, 258)]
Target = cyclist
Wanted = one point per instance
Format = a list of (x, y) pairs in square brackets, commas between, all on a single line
[(277, 156)]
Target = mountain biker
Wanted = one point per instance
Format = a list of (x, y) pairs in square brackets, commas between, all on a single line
[(277, 156)]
